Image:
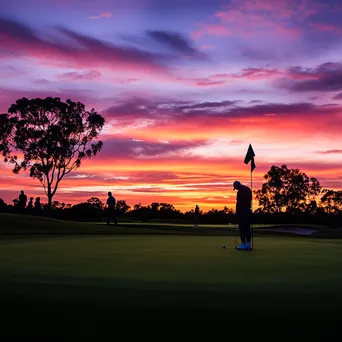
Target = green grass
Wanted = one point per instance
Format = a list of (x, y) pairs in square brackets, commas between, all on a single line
[(176, 261), (155, 286)]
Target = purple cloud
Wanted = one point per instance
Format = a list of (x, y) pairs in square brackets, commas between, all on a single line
[(133, 148), (325, 77), (135, 107), (153, 108), (202, 105), (337, 96), (175, 41), (81, 51)]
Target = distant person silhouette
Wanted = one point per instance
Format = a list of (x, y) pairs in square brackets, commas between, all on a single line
[(244, 214), (22, 201), (196, 216), (37, 206), (111, 203), (30, 204)]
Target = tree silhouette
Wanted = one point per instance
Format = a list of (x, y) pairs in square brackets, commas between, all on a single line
[(122, 207), (96, 203), (332, 201), (52, 138), (137, 206), (2, 205), (56, 205), (287, 190)]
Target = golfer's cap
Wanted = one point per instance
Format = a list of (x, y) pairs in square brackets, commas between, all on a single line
[(235, 184)]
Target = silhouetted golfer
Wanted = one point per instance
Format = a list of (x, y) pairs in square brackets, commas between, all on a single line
[(244, 213), (196, 217), (111, 202), (22, 201)]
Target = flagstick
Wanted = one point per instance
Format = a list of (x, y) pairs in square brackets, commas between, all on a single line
[(250, 158), (252, 207)]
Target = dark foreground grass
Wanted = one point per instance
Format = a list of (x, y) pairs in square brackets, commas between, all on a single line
[(169, 288)]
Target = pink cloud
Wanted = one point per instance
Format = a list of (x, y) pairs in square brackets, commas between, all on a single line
[(252, 23), (104, 15), (256, 74), (206, 82), (94, 75), (330, 152), (286, 31), (125, 81), (284, 76), (280, 9), (215, 30), (207, 47), (255, 27), (327, 27), (250, 74), (259, 17), (213, 119), (75, 76)]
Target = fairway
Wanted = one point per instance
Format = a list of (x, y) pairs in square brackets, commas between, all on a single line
[(150, 274)]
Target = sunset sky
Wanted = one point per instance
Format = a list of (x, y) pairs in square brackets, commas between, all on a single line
[(185, 86)]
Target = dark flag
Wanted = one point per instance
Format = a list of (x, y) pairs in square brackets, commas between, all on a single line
[(250, 154), (252, 165), (250, 157)]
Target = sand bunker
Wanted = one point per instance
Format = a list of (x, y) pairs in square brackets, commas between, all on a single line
[(292, 230)]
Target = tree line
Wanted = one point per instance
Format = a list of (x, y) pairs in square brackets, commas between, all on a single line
[(287, 196)]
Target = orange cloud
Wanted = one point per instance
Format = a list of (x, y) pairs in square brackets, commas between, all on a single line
[(182, 182)]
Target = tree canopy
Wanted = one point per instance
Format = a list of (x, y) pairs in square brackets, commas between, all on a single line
[(332, 201), (287, 190), (49, 137)]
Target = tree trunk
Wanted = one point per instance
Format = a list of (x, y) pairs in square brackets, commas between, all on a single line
[(49, 195)]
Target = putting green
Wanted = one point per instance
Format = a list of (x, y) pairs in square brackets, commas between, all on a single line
[(169, 286), (176, 262)]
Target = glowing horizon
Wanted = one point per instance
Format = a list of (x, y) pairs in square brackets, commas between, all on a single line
[(184, 89)]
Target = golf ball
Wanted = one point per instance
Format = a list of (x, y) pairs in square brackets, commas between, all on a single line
[(223, 246)]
